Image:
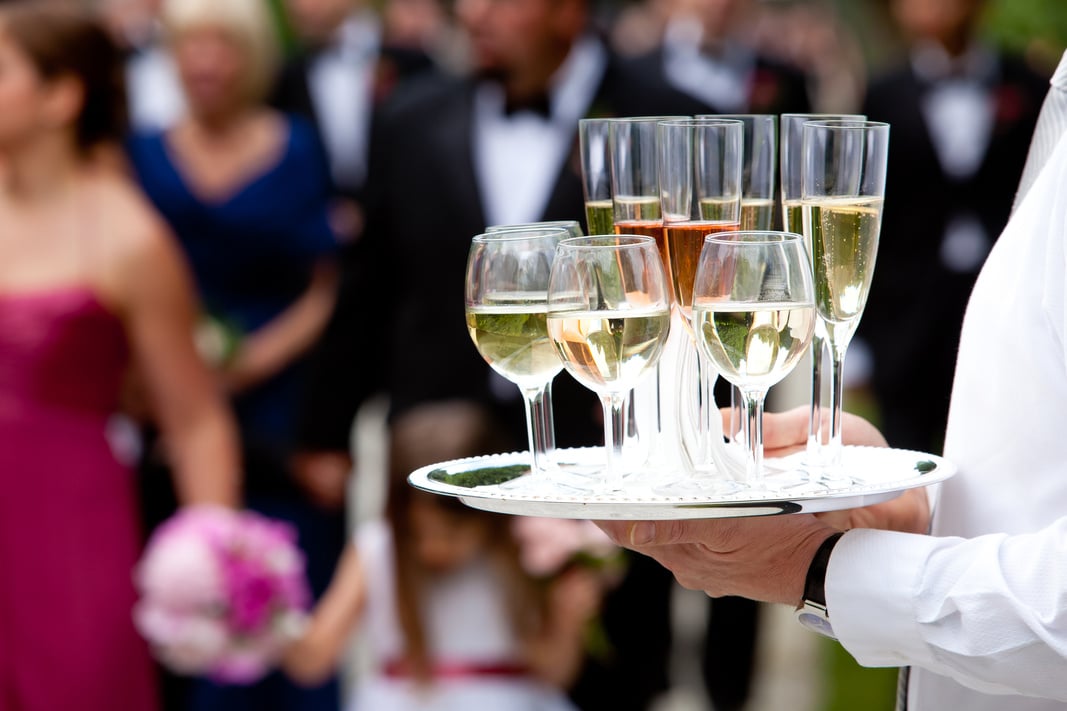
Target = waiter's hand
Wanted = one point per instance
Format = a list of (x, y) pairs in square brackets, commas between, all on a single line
[(759, 558)]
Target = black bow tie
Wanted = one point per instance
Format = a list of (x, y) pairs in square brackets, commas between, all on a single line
[(538, 105)]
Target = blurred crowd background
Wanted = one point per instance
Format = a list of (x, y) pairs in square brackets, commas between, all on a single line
[(323, 164)]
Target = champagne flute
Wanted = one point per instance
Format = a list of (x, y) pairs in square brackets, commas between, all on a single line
[(759, 167), (757, 196), (700, 186), (634, 171), (609, 317), (754, 316), (507, 307), (843, 190), (571, 227), (635, 179), (596, 175), (791, 153)]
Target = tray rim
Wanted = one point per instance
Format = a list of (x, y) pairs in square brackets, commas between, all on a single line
[(678, 507)]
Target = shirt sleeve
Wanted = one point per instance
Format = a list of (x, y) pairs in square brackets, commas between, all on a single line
[(989, 612)]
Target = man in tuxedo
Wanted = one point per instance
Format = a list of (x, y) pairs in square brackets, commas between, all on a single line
[(962, 117), (704, 56), (344, 71), (449, 157)]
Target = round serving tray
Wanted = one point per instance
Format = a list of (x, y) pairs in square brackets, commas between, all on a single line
[(499, 483)]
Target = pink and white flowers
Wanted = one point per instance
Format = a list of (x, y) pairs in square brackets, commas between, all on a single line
[(223, 593)]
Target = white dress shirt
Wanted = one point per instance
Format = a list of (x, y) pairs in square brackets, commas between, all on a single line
[(722, 81), (156, 99), (341, 83), (518, 158), (980, 608)]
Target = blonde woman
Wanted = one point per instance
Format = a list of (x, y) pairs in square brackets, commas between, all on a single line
[(246, 190)]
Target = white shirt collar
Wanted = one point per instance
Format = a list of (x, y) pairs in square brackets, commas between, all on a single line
[(358, 37), (932, 63), (571, 89), (518, 158)]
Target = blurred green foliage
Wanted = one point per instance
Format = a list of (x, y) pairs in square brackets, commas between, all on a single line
[(1034, 28)]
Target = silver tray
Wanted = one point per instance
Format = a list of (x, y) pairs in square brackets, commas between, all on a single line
[(877, 474)]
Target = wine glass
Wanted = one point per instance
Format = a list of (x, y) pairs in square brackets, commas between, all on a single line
[(791, 153), (843, 190), (754, 316), (571, 227), (759, 167), (596, 175), (633, 151), (609, 318), (507, 308), (758, 172), (700, 194), (635, 179)]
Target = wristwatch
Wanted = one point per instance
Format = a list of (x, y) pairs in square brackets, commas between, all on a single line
[(812, 612)]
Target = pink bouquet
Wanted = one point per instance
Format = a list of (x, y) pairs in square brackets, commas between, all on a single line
[(223, 593)]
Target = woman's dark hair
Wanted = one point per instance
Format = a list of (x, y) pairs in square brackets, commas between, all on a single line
[(64, 41)]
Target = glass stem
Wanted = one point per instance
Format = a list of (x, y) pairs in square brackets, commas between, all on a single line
[(703, 410), (614, 437), (540, 426), (837, 388), (753, 429), (815, 415)]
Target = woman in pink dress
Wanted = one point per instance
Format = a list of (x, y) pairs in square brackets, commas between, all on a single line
[(90, 283)]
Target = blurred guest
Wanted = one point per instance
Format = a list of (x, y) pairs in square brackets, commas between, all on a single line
[(155, 96), (639, 26), (344, 73), (962, 116), (247, 191), (706, 55), (452, 619), (90, 282), (811, 36), (450, 157)]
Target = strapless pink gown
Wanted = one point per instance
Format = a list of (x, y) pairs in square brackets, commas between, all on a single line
[(69, 534)]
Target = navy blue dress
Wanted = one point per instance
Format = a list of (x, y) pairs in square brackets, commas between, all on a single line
[(252, 254)]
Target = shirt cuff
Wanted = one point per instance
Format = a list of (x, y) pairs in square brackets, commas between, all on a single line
[(871, 583)]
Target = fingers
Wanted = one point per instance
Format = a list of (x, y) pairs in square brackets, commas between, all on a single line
[(643, 535), (786, 429)]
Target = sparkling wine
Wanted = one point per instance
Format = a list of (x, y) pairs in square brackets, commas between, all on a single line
[(793, 218), (640, 208), (844, 243), (609, 351), (757, 213), (599, 217), (754, 345), (720, 210), (513, 339), (685, 240)]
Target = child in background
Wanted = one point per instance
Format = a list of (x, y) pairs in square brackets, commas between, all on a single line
[(452, 620)]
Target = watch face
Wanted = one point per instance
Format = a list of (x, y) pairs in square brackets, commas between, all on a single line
[(816, 623)]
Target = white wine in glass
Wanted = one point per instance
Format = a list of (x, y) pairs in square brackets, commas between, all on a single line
[(507, 307), (609, 318), (843, 187), (754, 316), (791, 157)]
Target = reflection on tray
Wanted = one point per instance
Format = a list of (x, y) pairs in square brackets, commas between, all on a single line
[(483, 476)]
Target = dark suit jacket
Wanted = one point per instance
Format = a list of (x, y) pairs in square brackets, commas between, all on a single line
[(292, 94), (916, 304), (775, 88)]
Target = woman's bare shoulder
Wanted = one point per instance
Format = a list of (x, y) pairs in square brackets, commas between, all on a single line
[(139, 244)]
